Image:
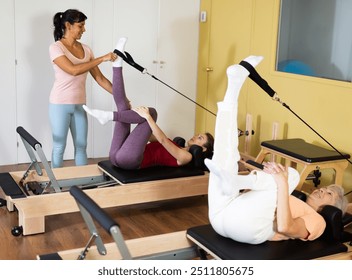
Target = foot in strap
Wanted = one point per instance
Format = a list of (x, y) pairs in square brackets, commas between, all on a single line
[(128, 58), (120, 47)]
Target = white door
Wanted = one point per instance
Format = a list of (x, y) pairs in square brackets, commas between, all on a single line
[(162, 37), (177, 66)]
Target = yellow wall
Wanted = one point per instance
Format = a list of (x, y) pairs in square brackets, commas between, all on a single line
[(251, 28)]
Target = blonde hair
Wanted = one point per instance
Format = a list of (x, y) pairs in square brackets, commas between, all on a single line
[(341, 201)]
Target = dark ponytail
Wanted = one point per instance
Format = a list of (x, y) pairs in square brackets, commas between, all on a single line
[(71, 16)]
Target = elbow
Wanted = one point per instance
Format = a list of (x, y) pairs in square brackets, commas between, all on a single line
[(75, 73), (283, 228)]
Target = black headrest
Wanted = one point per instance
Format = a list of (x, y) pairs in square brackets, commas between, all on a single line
[(196, 151), (180, 141), (300, 195), (332, 215), (333, 218)]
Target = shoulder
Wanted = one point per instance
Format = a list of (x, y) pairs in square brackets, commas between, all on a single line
[(55, 45), (314, 222), (56, 49)]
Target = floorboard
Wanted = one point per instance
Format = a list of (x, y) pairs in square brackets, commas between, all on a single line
[(68, 231)]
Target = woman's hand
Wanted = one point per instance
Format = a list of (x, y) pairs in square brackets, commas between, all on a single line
[(110, 57), (277, 170), (142, 111)]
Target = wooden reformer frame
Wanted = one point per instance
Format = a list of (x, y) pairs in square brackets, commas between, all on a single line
[(176, 245), (32, 209)]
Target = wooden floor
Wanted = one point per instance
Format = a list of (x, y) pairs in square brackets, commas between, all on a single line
[(68, 231)]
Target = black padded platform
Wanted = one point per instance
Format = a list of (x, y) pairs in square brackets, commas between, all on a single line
[(10, 187), (50, 257), (227, 249), (300, 149), (147, 174)]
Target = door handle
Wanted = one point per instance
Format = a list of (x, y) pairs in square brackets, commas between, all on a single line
[(209, 69)]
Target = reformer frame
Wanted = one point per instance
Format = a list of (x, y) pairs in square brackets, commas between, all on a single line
[(33, 208), (190, 244)]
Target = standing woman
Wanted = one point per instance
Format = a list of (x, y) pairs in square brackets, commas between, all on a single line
[(72, 61)]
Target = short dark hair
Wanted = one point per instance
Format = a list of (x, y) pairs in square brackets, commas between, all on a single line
[(71, 15), (209, 145)]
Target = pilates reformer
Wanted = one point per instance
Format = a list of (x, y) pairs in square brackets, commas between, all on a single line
[(201, 242), (43, 192), (309, 158)]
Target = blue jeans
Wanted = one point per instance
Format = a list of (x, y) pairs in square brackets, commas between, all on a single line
[(65, 117)]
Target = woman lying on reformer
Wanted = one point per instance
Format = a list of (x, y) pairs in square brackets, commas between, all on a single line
[(266, 210), (146, 145)]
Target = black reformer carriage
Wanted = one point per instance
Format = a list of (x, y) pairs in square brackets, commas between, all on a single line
[(205, 243)]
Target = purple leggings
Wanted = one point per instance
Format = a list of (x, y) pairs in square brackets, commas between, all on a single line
[(127, 147)]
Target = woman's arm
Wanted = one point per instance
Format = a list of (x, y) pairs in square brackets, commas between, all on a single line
[(77, 69), (286, 224), (101, 79), (182, 156)]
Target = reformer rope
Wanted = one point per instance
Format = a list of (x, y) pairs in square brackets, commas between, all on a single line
[(128, 58), (253, 74), (265, 86)]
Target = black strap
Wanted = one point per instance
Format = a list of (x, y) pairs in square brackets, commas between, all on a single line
[(128, 58), (253, 74)]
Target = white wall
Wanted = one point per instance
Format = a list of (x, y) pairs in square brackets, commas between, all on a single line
[(8, 144)]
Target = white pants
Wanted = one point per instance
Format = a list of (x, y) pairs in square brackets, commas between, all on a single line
[(246, 217)]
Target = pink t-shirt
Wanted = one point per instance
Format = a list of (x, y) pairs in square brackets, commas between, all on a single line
[(314, 222), (68, 89)]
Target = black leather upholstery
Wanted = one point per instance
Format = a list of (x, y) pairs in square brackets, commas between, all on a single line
[(147, 174), (228, 249), (329, 243)]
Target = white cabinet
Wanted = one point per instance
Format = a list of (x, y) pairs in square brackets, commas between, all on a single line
[(163, 37)]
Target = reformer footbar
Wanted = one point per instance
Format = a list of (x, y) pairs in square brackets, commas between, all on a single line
[(156, 184), (34, 147), (92, 212)]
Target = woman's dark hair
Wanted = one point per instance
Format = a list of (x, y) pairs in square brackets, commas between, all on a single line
[(209, 145), (60, 19)]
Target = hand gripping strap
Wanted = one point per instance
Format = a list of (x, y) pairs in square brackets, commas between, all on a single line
[(128, 58)]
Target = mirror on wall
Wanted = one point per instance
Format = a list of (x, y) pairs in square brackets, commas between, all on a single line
[(315, 38)]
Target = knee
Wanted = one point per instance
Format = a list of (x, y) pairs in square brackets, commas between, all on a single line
[(81, 144), (59, 145)]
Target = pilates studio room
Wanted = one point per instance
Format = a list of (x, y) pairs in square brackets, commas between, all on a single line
[(185, 125)]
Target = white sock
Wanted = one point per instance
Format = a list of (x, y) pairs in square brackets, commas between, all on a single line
[(253, 60), (121, 47), (236, 75), (102, 116)]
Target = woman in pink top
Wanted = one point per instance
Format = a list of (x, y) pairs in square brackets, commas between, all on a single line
[(72, 61), (266, 210)]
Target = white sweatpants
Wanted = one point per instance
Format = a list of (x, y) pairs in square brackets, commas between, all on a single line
[(246, 217)]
